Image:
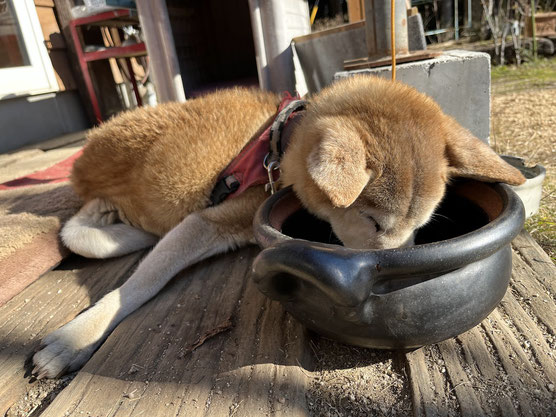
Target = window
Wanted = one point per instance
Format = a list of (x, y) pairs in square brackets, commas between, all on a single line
[(25, 67)]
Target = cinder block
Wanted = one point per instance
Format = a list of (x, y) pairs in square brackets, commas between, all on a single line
[(459, 81)]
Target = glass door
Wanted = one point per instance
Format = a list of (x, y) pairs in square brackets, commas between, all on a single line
[(25, 67)]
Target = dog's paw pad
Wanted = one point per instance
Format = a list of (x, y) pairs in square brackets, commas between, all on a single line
[(59, 354)]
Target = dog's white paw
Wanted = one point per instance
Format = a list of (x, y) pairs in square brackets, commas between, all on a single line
[(63, 350)]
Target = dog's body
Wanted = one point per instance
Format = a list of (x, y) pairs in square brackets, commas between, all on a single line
[(367, 155)]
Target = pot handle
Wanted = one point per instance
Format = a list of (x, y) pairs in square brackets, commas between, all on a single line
[(342, 275)]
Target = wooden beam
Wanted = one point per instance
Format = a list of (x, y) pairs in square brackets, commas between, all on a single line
[(155, 24), (356, 10)]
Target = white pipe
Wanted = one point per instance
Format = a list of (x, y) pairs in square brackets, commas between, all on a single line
[(258, 38)]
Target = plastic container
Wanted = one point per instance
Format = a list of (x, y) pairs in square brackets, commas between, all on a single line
[(531, 191)]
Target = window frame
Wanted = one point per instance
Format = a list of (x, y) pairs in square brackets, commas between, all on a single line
[(38, 77)]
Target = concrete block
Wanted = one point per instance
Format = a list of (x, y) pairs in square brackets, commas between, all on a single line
[(32, 119), (459, 81)]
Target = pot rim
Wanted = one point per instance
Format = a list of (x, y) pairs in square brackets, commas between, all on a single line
[(425, 258)]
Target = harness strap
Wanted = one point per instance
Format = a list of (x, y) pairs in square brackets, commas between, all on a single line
[(258, 160), (276, 151)]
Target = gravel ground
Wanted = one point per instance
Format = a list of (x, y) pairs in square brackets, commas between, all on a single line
[(524, 124)]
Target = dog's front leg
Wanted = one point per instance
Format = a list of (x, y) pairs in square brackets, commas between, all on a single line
[(199, 236)]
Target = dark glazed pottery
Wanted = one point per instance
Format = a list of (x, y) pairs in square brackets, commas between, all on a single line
[(449, 282)]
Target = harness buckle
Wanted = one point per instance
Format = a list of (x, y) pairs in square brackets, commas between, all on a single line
[(270, 168)]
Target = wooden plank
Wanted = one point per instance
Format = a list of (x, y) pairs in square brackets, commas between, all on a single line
[(537, 259), (362, 63), (533, 336), (533, 295), (50, 28), (69, 140), (28, 263), (468, 402), (42, 307), (422, 391), (252, 367), (146, 368), (44, 3), (520, 374), (487, 379)]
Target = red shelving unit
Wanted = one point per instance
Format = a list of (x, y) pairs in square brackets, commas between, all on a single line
[(113, 18)]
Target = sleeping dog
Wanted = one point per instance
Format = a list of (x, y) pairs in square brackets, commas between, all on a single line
[(369, 156)]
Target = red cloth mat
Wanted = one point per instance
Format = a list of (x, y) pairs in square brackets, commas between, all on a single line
[(46, 210), (59, 172)]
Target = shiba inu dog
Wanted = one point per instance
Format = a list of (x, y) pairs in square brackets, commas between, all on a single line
[(369, 156)]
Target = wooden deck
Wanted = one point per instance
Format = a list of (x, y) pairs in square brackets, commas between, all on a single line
[(210, 344)]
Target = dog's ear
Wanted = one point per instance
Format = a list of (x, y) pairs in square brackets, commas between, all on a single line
[(469, 157), (338, 167)]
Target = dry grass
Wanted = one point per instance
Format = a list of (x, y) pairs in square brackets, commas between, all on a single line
[(524, 124)]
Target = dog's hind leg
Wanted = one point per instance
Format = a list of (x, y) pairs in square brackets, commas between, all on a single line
[(95, 232)]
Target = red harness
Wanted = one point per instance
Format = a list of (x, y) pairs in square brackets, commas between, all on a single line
[(257, 163)]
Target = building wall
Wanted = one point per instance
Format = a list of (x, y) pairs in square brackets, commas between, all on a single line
[(214, 43), (33, 119), (55, 44)]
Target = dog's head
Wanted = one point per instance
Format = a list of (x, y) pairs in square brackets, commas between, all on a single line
[(373, 157)]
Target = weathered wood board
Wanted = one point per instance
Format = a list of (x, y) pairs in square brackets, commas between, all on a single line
[(257, 360), (46, 304)]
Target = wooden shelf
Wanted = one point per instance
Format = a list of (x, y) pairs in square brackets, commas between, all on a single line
[(129, 51), (112, 18)]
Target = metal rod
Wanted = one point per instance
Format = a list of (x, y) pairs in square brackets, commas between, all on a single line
[(534, 28), (456, 20)]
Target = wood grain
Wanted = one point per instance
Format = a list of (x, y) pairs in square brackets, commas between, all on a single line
[(145, 367), (45, 305), (503, 366), (261, 364)]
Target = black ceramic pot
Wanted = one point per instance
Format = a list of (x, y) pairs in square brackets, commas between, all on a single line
[(447, 283)]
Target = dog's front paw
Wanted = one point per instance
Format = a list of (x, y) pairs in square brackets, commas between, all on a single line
[(63, 350)]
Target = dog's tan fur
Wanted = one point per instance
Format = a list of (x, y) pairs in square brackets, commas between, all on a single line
[(159, 164), (370, 156)]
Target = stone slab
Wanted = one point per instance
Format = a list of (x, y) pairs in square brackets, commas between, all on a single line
[(459, 81)]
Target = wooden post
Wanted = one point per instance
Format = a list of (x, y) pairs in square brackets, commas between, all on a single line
[(356, 10), (273, 33), (155, 24)]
